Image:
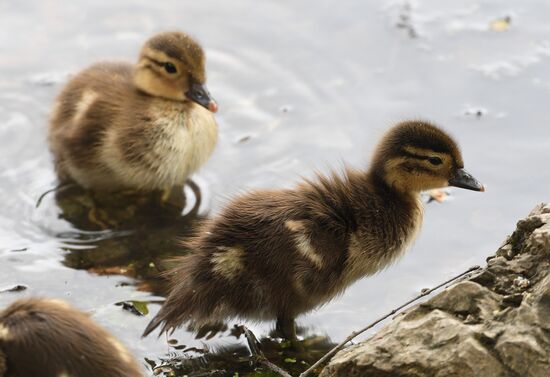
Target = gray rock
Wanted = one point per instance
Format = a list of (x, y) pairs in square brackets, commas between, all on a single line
[(497, 323)]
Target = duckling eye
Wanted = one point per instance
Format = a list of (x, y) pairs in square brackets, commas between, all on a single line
[(170, 68), (435, 160)]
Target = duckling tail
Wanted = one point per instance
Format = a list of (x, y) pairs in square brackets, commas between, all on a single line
[(167, 318), (155, 322)]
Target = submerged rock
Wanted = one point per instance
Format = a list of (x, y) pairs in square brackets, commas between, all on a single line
[(496, 323)]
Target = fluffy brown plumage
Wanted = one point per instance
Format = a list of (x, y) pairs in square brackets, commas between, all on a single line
[(49, 338), (146, 126), (274, 254)]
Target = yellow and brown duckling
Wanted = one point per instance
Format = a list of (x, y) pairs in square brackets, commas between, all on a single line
[(144, 126), (49, 338), (275, 254)]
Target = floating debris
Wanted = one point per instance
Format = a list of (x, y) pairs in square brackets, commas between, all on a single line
[(112, 270), (521, 282), (138, 308), (175, 344), (244, 139), (15, 288), (285, 109), (476, 112), (49, 78), (19, 250), (438, 195), (501, 24), (405, 20)]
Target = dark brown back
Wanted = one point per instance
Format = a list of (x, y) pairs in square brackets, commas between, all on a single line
[(49, 338)]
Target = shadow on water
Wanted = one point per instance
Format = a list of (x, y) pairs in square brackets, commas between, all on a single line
[(136, 235), (238, 360), (127, 233)]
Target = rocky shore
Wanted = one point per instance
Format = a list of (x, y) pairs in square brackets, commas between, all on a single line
[(493, 324)]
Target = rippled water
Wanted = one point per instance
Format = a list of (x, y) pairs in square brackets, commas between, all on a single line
[(302, 85)]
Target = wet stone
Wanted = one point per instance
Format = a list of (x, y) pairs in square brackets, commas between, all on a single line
[(506, 251), (513, 300), (495, 324), (521, 282), (485, 278)]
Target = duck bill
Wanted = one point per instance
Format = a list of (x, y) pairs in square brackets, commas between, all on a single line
[(465, 180), (199, 94)]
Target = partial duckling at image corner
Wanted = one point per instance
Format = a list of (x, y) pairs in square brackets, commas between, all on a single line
[(145, 126), (49, 338), (276, 254)]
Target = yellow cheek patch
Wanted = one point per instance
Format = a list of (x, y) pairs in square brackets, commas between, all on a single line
[(393, 176), (413, 181), (153, 83)]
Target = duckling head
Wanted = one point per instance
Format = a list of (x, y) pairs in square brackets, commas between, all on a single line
[(416, 156), (172, 65)]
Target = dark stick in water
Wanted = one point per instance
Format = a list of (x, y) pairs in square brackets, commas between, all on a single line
[(59, 188), (258, 355)]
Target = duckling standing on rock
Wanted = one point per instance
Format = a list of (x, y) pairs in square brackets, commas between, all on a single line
[(144, 127), (274, 254), (49, 338)]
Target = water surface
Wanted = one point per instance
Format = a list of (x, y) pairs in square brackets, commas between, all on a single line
[(302, 85)]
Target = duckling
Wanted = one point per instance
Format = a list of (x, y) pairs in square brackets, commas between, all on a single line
[(144, 127), (275, 254), (49, 338)]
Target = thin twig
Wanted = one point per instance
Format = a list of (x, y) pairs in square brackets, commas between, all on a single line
[(59, 188), (258, 355), (426, 292), (274, 367), (198, 197)]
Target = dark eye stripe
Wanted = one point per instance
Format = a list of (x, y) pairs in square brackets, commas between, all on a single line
[(160, 64), (418, 168), (414, 155)]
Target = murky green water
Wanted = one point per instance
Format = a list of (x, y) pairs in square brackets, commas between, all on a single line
[(302, 85)]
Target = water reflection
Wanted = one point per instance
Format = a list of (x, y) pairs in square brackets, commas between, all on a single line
[(127, 233), (304, 97), (238, 359)]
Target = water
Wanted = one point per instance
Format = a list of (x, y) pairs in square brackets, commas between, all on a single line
[(302, 85)]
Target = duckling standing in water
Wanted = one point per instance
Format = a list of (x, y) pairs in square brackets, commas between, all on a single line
[(49, 338), (146, 126), (275, 254)]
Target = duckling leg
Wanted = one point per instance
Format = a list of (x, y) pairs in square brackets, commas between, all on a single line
[(286, 328)]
